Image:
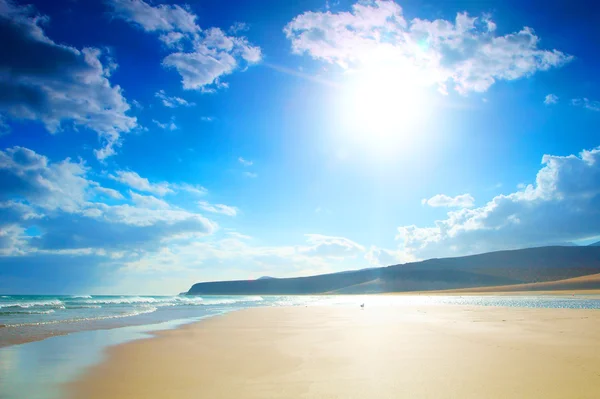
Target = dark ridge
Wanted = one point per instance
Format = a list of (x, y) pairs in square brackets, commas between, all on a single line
[(531, 265)]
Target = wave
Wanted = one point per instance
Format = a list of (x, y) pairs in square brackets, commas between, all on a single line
[(84, 319), (170, 301), (55, 303), (4, 313), (122, 301), (228, 301), (81, 296)]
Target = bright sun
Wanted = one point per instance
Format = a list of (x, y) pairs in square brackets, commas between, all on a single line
[(384, 106)]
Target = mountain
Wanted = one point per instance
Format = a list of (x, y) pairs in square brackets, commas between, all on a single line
[(265, 278), (502, 268)]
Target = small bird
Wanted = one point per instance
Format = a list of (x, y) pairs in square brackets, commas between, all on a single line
[(362, 306)]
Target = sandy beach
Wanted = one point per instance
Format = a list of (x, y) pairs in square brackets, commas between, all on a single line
[(425, 351)]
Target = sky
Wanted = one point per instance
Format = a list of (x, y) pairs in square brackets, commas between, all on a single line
[(148, 145)]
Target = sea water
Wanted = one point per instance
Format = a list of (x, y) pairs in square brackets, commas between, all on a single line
[(86, 325)]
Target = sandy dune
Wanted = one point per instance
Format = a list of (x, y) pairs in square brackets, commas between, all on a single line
[(584, 284)]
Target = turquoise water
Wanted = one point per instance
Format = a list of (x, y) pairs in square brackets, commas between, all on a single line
[(34, 317), (36, 370)]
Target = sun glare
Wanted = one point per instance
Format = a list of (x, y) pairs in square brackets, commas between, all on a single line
[(384, 107)]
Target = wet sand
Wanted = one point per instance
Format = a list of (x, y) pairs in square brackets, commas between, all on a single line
[(429, 351)]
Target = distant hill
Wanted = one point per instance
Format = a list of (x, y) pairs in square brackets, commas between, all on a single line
[(265, 278), (589, 282), (523, 266), (596, 244)]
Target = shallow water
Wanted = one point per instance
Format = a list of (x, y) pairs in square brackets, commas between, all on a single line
[(30, 318), (36, 370)]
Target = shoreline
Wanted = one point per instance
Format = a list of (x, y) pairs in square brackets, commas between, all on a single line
[(341, 351), (18, 338)]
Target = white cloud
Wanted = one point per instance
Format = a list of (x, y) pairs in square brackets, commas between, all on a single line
[(173, 39), (466, 52), (214, 55), (190, 188), (385, 257), (328, 246), (250, 175), (148, 201), (57, 198), (203, 57), (218, 208), (56, 84), (207, 118), (321, 254), (166, 126), (442, 200), (135, 181), (51, 186), (562, 206), (172, 102), (163, 17), (245, 162), (109, 192), (586, 103), (551, 99), (238, 27)]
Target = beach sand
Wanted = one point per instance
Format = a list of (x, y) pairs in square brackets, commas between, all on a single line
[(324, 352)]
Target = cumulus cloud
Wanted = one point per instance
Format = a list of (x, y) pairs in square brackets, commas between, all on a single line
[(214, 55), (58, 84), (172, 102), (146, 235), (551, 99), (135, 181), (218, 208), (24, 174), (203, 57), (466, 52), (442, 200), (59, 200), (586, 103), (123, 227), (561, 206), (163, 17)]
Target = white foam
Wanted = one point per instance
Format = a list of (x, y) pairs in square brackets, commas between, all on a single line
[(55, 303), (21, 312), (171, 301), (83, 319)]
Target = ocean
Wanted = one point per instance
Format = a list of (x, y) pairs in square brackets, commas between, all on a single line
[(32, 317), (46, 341)]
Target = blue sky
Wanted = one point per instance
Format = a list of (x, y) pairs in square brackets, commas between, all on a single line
[(149, 145)]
